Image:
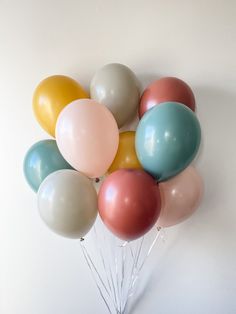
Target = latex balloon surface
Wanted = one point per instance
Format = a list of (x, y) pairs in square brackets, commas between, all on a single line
[(129, 203), (42, 159), (116, 87), (180, 197), (126, 155), (87, 137), (167, 139), (67, 203), (164, 90), (51, 96)]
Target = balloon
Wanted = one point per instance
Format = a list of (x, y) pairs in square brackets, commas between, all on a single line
[(51, 96), (126, 155), (87, 136), (129, 203), (167, 139), (42, 159), (164, 90), (67, 203), (115, 86), (180, 197)]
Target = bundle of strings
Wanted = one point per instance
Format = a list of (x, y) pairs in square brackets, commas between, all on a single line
[(115, 265)]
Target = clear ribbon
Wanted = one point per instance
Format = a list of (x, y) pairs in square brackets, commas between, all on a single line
[(116, 266)]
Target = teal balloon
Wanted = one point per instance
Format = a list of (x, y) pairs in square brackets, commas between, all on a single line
[(167, 139), (42, 159)]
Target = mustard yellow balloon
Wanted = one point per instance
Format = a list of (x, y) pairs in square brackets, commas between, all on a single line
[(51, 96), (126, 155)]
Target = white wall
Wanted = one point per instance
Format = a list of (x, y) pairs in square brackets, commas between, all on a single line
[(41, 273)]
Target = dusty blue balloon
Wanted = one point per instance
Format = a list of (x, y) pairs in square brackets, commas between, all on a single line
[(167, 139), (42, 159)]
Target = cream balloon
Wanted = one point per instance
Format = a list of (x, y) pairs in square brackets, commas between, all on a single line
[(87, 136), (67, 203), (180, 197)]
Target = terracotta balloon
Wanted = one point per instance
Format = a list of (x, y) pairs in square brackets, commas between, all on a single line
[(129, 203), (87, 136), (126, 155), (180, 197), (164, 90), (51, 96)]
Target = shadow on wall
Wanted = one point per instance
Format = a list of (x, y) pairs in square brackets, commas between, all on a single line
[(216, 109)]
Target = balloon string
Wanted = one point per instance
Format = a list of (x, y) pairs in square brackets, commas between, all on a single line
[(123, 251), (138, 269), (158, 235), (104, 264), (91, 267), (131, 276), (134, 270), (110, 267), (108, 271), (120, 273), (118, 284), (117, 280), (110, 263), (150, 248), (90, 259), (135, 257), (140, 248)]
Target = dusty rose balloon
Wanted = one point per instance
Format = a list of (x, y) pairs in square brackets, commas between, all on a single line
[(87, 136), (166, 89), (180, 197), (129, 203)]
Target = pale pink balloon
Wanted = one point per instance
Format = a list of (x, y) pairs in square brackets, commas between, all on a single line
[(87, 136), (180, 197)]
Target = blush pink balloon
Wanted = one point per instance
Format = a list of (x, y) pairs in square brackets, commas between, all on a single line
[(87, 136), (129, 203), (180, 197)]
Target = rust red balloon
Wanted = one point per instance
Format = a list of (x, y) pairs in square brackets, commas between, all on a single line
[(166, 89), (129, 203)]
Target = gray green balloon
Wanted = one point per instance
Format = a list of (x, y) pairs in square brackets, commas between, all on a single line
[(115, 86), (67, 203), (42, 159), (167, 139)]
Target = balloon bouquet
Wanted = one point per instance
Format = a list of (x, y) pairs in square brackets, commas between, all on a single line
[(146, 180)]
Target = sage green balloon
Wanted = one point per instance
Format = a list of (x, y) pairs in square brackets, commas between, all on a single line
[(115, 86), (167, 139), (67, 203), (42, 159)]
